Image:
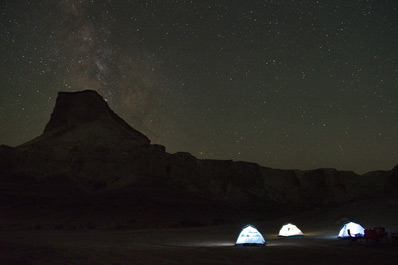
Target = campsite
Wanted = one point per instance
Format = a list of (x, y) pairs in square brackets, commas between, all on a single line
[(211, 245), (198, 132), (93, 190), (290, 230)]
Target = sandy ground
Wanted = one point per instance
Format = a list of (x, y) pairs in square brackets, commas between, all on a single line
[(210, 245)]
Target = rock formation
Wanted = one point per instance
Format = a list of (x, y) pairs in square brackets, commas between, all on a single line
[(391, 187), (86, 148), (84, 118)]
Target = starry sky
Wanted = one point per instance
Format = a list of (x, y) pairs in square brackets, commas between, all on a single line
[(286, 84)]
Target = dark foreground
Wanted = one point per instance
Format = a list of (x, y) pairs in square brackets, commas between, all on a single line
[(211, 245)]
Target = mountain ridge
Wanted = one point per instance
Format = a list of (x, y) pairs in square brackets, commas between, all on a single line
[(81, 116), (87, 149)]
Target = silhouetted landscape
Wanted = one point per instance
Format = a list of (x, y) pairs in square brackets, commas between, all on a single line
[(92, 184)]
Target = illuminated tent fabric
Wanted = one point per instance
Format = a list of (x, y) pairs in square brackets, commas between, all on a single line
[(355, 230), (249, 236), (290, 230)]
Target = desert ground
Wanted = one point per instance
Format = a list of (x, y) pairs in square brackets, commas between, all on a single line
[(214, 244)]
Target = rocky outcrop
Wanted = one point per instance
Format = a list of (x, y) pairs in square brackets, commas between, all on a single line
[(87, 146), (84, 118), (391, 186)]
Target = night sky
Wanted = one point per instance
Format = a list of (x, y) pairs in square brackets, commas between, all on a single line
[(286, 84)]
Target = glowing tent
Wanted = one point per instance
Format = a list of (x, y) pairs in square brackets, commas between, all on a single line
[(351, 228), (249, 236), (290, 230)]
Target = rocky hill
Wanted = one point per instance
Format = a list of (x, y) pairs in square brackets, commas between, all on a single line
[(88, 157)]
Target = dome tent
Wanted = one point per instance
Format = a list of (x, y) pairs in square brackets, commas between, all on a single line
[(290, 230), (249, 236), (351, 228)]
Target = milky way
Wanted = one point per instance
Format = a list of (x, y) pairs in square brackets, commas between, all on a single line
[(286, 84), (121, 72)]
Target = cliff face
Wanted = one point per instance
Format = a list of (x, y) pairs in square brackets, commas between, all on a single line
[(391, 186), (86, 146), (84, 118)]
